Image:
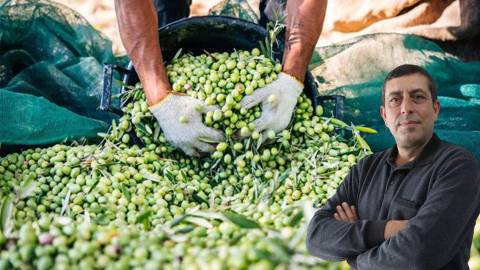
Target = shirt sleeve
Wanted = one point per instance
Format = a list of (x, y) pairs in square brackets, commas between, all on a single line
[(333, 240), (443, 223)]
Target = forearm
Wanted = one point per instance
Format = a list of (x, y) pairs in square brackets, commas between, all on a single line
[(137, 21), (304, 26), (334, 240)]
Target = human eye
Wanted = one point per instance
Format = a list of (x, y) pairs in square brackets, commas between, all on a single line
[(394, 99), (418, 97)]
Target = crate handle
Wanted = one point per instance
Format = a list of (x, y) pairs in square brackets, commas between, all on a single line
[(339, 104), (107, 87)]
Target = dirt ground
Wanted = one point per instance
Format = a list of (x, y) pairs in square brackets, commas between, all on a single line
[(101, 14)]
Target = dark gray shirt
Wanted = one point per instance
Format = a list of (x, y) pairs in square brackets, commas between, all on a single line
[(438, 192)]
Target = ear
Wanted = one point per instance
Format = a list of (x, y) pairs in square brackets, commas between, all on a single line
[(383, 113), (436, 109)]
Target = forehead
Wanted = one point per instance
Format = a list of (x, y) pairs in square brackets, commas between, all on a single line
[(407, 83)]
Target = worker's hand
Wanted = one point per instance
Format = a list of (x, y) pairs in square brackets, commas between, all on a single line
[(392, 227), (278, 103), (182, 124), (346, 213)]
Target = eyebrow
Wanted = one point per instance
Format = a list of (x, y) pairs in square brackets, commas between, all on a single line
[(413, 91), (417, 90)]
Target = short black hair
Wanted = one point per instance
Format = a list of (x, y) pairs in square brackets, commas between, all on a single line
[(408, 69)]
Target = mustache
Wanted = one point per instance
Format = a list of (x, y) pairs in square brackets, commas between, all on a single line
[(401, 119)]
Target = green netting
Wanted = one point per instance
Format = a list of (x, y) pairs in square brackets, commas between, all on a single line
[(31, 126), (51, 66), (234, 8), (358, 67)]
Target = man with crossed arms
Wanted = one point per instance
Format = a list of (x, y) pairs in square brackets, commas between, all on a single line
[(413, 206)]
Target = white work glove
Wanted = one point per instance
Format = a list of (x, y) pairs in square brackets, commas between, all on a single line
[(275, 116), (186, 136)]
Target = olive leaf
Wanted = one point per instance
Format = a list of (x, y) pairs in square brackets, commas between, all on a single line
[(148, 129), (65, 203), (177, 55), (179, 238), (140, 126), (296, 219), (263, 49), (280, 251), (326, 119), (126, 192), (338, 122), (208, 215), (366, 129), (38, 199), (193, 210), (199, 221), (94, 185), (259, 142), (216, 163), (354, 152), (241, 220), (282, 177), (235, 240), (184, 175), (103, 219), (86, 216), (199, 199), (125, 85), (105, 135), (177, 221), (208, 140), (169, 176), (185, 229), (212, 200), (114, 129), (6, 212), (151, 177), (143, 217), (138, 94), (27, 188), (262, 254), (156, 133), (249, 141)]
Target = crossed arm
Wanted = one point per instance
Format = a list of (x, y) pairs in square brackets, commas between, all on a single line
[(443, 223), (349, 214)]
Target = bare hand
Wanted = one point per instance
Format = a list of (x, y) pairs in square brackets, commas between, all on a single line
[(346, 213), (392, 227)]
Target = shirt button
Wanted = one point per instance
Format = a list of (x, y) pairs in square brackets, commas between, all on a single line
[(392, 182)]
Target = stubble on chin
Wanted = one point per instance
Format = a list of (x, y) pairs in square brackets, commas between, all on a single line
[(409, 138)]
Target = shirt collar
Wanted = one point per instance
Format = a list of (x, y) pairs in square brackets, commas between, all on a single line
[(424, 158)]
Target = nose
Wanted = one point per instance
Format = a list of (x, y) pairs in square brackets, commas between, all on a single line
[(407, 106)]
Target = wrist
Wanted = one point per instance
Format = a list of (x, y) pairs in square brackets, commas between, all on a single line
[(386, 232), (393, 226), (152, 107), (156, 92), (294, 79), (295, 62), (297, 73)]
